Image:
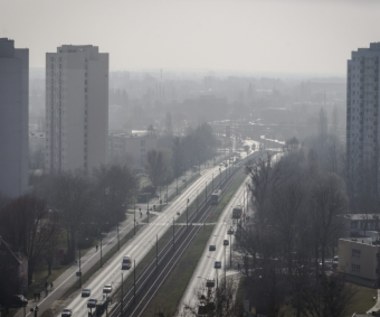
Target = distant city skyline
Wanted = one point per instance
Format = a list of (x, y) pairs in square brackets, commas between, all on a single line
[(254, 36)]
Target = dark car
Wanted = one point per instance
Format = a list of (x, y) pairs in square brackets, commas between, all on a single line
[(126, 264), (212, 247), (18, 301), (230, 231), (91, 303), (226, 242), (217, 265), (86, 292)]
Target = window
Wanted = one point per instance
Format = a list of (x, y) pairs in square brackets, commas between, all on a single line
[(355, 253), (355, 268)]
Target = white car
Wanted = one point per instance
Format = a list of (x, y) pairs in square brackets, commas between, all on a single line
[(107, 289), (66, 312)]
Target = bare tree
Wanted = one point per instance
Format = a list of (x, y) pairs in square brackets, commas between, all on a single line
[(26, 225)]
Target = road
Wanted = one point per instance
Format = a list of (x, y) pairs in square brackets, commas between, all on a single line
[(205, 269), (140, 245)]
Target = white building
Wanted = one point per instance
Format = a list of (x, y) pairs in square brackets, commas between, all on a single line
[(14, 82), (76, 108), (363, 122), (131, 148)]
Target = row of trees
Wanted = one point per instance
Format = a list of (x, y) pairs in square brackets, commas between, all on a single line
[(180, 154), (295, 228), (65, 212)]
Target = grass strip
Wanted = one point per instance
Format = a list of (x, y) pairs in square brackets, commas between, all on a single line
[(168, 298)]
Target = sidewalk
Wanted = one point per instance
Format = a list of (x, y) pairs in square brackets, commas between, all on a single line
[(376, 307), (68, 279)]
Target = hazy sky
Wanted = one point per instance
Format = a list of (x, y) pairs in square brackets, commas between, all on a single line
[(283, 36)]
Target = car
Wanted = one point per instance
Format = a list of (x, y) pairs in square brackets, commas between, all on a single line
[(107, 289), (18, 301), (212, 247), (86, 292), (230, 231), (217, 265), (66, 312), (126, 263), (91, 303), (226, 242)]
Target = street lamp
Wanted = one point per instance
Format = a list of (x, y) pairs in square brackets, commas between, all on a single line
[(156, 250), (134, 217), (101, 250), (225, 244), (122, 294), (79, 273), (230, 232), (118, 238), (206, 192), (187, 212)]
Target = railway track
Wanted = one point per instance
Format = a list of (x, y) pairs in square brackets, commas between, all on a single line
[(148, 283)]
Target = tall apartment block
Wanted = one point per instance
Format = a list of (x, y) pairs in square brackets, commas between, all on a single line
[(76, 108), (363, 126), (14, 96)]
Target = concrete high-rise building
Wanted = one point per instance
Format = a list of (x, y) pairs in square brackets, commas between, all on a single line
[(14, 86), (363, 127), (76, 108)]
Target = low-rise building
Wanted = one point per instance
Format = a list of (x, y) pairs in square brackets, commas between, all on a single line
[(131, 148), (359, 259), (358, 225)]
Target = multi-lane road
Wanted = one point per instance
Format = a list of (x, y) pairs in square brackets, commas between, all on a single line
[(205, 269), (139, 246)]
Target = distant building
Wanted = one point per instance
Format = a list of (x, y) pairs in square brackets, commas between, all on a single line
[(76, 108), (363, 126), (14, 83), (359, 259), (359, 225), (131, 148)]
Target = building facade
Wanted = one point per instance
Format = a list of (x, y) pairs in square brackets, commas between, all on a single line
[(14, 86), (363, 126), (76, 108), (131, 148), (359, 258)]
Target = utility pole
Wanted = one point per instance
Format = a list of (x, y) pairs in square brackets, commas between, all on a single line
[(206, 192), (101, 251), (79, 268), (134, 217), (187, 212), (173, 233), (134, 279), (122, 294), (118, 238), (156, 250)]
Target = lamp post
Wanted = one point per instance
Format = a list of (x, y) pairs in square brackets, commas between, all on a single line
[(118, 237), (187, 212), (79, 273), (134, 217), (230, 250), (101, 250), (134, 279), (122, 294), (156, 250), (173, 234), (206, 192)]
